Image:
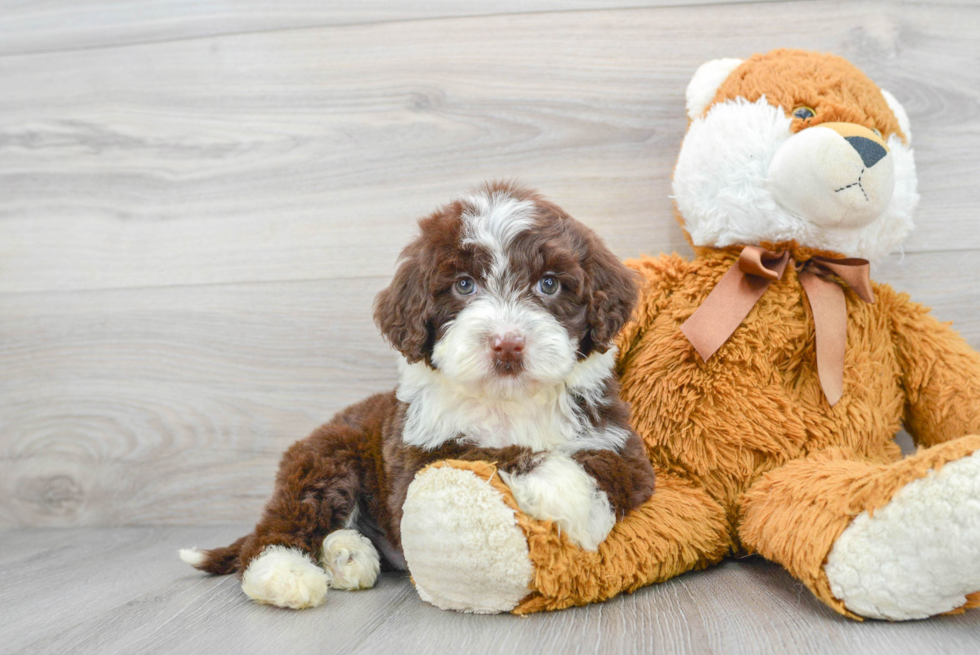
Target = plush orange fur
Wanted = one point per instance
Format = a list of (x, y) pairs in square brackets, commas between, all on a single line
[(832, 86), (795, 513), (749, 455), (679, 529), (753, 420)]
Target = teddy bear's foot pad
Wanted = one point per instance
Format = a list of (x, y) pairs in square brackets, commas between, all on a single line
[(462, 542), (917, 556), (285, 577), (351, 559)]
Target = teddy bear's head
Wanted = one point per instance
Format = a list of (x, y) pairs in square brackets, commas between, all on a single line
[(795, 147)]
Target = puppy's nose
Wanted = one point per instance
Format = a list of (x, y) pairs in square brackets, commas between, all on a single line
[(871, 153), (507, 347)]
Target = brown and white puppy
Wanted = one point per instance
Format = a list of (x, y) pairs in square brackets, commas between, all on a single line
[(504, 310)]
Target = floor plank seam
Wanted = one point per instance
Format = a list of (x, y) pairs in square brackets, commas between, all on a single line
[(198, 285), (395, 21), (896, 259)]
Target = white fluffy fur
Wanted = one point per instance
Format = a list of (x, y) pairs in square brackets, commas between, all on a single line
[(464, 395), (721, 186), (493, 220), (703, 87), (463, 354), (351, 559), (541, 418), (285, 577), (460, 536), (191, 556), (559, 490), (920, 554)]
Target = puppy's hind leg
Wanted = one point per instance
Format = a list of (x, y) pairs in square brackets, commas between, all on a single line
[(316, 492)]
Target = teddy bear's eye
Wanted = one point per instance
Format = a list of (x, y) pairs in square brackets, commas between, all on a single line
[(803, 113)]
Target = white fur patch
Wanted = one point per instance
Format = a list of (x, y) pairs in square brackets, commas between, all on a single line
[(351, 559), (191, 556), (703, 87), (285, 577), (464, 396), (920, 554), (560, 490), (721, 186), (463, 355), (493, 221), (464, 547), (439, 409)]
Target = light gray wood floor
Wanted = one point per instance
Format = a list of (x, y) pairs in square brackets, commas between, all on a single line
[(123, 590), (193, 225), (200, 198)]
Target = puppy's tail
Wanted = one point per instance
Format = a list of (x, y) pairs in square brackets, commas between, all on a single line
[(219, 561)]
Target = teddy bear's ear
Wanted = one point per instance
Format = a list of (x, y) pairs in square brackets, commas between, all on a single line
[(704, 85), (899, 111)]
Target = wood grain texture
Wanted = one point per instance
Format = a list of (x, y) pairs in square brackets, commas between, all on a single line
[(129, 406), (41, 26), (307, 154), (123, 590), (199, 200), (192, 232)]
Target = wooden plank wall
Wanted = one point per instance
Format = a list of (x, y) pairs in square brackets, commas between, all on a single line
[(199, 200)]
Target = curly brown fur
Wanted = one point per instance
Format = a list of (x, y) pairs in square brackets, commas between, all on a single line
[(354, 472)]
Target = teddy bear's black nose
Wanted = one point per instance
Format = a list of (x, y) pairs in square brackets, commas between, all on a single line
[(871, 153)]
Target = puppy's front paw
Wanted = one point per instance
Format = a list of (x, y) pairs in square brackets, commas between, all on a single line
[(559, 490), (352, 560), (285, 577)]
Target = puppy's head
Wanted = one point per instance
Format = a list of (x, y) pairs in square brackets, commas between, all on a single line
[(503, 292)]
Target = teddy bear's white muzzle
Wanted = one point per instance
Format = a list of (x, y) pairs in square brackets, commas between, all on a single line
[(833, 180)]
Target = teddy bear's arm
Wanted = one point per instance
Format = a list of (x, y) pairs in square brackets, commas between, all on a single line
[(656, 280), (940, 372)]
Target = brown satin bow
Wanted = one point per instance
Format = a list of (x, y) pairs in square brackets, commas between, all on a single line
[(744, 283)]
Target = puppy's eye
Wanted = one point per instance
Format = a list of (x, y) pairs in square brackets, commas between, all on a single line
[(804, 113), (465, 286), (549, 285)]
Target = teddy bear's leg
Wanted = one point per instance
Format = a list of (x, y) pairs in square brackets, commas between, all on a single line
[(887, 541), (469, 547)]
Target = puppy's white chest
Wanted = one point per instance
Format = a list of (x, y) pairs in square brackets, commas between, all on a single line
[(531, 426), (435, 417)]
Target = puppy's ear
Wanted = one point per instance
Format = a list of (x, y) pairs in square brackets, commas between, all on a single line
[(403, 310), (612, 294)]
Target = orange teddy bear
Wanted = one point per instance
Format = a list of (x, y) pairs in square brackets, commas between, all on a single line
[(768, 377)]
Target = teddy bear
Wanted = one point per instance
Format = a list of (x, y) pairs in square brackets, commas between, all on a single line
[(767, 376)]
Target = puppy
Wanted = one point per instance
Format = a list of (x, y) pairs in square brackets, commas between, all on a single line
[(504, 310)]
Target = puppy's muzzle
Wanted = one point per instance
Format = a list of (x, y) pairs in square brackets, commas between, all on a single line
[(507, 351)]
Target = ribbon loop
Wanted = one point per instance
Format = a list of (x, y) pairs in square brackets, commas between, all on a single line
[(714, 322), (855, 272), (758, 261)]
